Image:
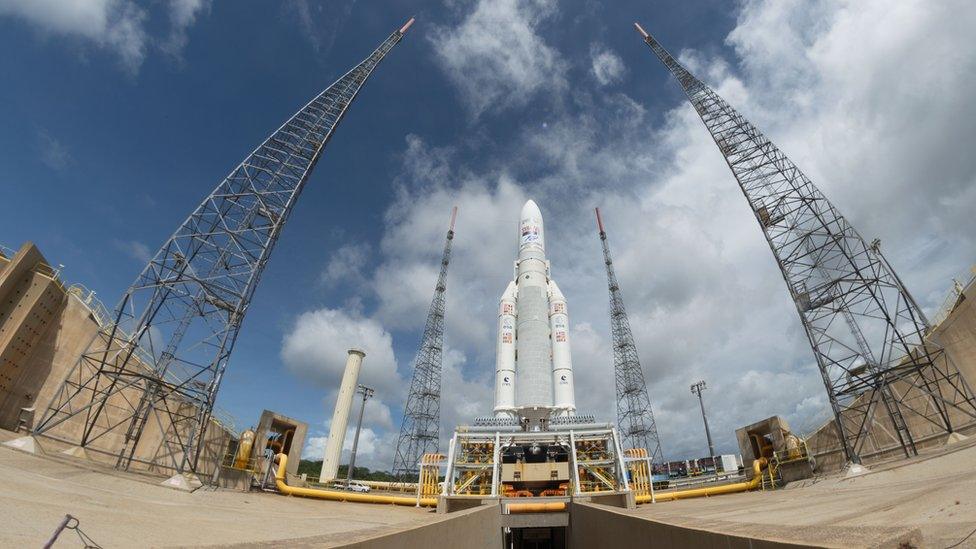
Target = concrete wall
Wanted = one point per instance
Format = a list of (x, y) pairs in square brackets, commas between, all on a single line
[(275, 422), (774, 428), (29, 306), (479, 528), (43, 331), (957, 333), (595, 526)]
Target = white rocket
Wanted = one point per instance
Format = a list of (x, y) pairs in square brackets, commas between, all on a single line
[(533, 368)]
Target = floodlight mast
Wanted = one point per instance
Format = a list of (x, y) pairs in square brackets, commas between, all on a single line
[(696, 389)]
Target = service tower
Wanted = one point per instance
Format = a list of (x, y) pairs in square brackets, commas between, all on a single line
[(533, 365)]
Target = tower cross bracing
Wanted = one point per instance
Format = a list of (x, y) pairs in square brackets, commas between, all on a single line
[(420, 426), (161, 360), (635, 418), (867, 333)]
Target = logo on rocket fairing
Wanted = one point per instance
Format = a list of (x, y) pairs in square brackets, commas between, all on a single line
[(530, 233)]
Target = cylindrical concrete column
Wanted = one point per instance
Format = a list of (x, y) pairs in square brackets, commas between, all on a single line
[(340, 417)]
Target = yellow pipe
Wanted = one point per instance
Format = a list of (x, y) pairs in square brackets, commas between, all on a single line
[(550, 507), (714, 490), (337, 495)]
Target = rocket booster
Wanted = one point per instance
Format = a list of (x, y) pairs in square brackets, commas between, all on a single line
[(533, 368)]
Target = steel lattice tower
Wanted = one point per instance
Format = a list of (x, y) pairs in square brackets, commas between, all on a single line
[(420, 427), (867, 332), (164, 354), (634, 415)]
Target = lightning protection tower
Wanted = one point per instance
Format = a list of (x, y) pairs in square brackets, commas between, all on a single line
[(158, 363), (867, 332), (634, 415), (420, 428)]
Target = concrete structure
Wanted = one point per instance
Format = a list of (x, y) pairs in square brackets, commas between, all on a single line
[(957, 333), (340, 416), (44, 327), (771, 438), (275, 433), (926, 502), (281, 434)]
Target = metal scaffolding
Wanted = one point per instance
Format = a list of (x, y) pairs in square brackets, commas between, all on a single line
[(867, 332), (420, 428), (165, 352), (634, 415)]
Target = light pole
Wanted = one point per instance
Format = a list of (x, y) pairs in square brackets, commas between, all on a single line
[(697, 389), (366, 392)]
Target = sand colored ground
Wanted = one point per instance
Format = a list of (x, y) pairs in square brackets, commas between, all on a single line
[(930, 500), (125, 510)]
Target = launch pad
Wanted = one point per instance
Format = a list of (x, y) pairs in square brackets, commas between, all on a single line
[(536, 454), (581, 460)]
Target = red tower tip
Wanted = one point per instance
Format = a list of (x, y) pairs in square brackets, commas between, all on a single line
[(640, 29), (406, 25), (599, 220)]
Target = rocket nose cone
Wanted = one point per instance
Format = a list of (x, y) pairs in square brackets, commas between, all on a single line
[(531, 211)]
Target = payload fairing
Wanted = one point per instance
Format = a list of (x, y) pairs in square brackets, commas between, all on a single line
[(533, 368)]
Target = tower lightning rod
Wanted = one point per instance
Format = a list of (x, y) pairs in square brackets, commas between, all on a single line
[(406, 26)]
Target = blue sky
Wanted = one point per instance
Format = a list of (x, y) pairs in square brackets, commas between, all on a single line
[(119, 117)]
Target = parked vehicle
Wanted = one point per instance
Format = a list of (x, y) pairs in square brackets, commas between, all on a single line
[(358, 487)]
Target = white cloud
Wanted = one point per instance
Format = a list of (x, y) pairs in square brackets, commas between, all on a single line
[(346, 264), (116, 25), (53, 152), (316, 348), (828, 83), (607, 67), (182, 16), (495, 56), (134, 249)]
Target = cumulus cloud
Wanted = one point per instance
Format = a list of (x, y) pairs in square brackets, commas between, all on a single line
[(496, 57), (182, 16), (826, 81), (346, 264), (116, 25), (316, 348), (705, 298), (607, 67)]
